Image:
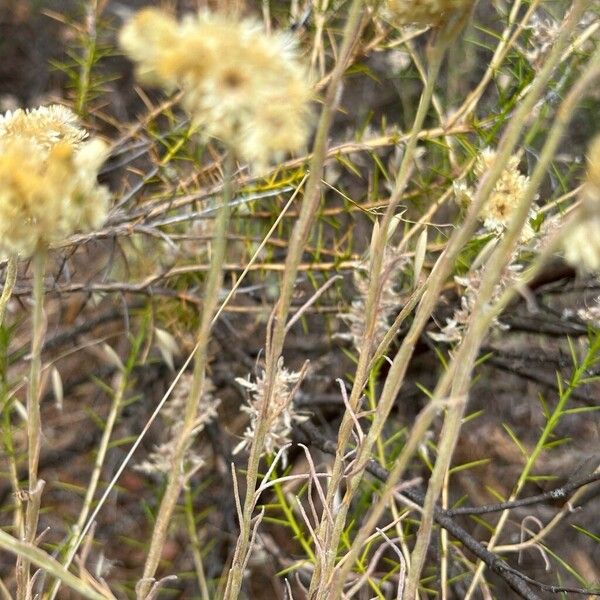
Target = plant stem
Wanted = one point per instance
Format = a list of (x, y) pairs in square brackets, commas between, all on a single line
[(458, 376), (31, 554), (176, 476), (9, 284), (95, 478), (330, 532), (34, 428), (299, 237), (196, 547)]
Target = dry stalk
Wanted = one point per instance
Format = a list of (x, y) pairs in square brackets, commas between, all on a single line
[(95, 478), (34, 425), (458, 375), (298, 240), (9, 284), (331, 533), (176, 476)]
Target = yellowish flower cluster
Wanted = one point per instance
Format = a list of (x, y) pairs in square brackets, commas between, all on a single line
[(48, 187), (47, 125), (505, 197), (240, 84), (582, 243), (424, 12)]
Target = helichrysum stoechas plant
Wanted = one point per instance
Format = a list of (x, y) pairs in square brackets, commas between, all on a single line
[(582, 242), (240, 85), (427, 12), (48, 187), (504, 199), (48, 190)]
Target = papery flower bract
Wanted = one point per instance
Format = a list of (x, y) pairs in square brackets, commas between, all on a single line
[(506, 196), (48, 187), (160, 459), (281, 413), (425, 12), (47, 125), (240, 85)]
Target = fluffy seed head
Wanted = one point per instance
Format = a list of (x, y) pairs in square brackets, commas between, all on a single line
[(240, 85), (47, 125), (48, 187)]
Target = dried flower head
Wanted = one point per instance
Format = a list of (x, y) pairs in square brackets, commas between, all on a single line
[(47, 193), (505, 197), (427, 12), (160, 461), (148, 40), (543, 33), (389, 301), (241, 85), (456, 326), (47, 125), (582, 241), (281, 412)]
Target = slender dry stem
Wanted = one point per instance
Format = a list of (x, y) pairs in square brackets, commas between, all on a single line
[(9, 283), (458, 375), (34, 425), (329, 532), (299, 237), (176, 476), (95, 478)]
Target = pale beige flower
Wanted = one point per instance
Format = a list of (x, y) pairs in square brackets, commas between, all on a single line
[(47, 125), (426, 12), (281, 414), (48, 187), (240, 85), (160, 459), (505, 197)]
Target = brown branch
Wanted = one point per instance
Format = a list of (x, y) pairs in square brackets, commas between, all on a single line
[(516, 580)]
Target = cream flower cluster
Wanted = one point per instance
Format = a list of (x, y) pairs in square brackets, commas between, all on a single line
[(505, 197), (241, 85), (48, 187), (427, 12)]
